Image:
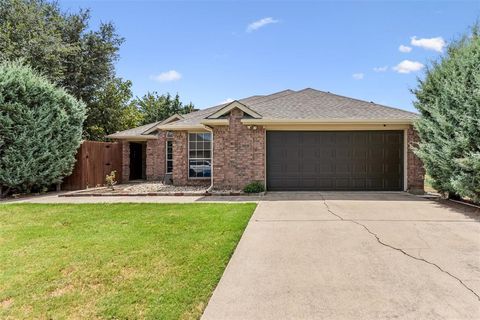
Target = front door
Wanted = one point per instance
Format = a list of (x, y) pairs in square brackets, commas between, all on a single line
[(136, 161)]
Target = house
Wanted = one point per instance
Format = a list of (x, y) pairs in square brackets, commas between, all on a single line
[(289, 140)]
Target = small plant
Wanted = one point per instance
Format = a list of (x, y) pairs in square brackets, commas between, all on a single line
[(254, 187), (110, 179)]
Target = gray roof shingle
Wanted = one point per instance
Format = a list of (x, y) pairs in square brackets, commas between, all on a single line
[(294, 105), (314, 104), (134, 131)]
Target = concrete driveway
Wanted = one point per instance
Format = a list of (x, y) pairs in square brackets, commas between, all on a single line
[(353, 256)]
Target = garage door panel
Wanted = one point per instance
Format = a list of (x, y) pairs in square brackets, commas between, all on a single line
[(375, 183), (360, 168), (335, 160), (376, 168), (359, 183)]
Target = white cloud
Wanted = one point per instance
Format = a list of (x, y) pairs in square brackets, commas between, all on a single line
[(407, 66), (435, 44), (167, 76), (260, 23), (405, 49), (228, 100), (380, 69), (358, 76)]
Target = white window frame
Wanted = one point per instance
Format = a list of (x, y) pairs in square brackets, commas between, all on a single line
[(166, 156), (188, 161)]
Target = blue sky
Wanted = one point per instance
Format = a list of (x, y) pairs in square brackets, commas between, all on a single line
[(209, 52)]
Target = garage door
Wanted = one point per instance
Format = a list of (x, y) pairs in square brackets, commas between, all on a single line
[(335, 160)]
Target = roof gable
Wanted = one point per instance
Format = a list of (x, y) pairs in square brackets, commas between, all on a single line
[(232, 105), (170, 119)]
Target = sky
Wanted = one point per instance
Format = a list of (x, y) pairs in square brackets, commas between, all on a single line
[(210, 52)]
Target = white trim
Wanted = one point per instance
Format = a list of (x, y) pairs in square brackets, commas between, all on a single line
[(232, 105), (188, 156), (132, 137), (324, 121), (215, 122), (212, 159), (174, 127)]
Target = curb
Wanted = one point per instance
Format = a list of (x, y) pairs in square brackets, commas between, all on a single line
[(153, 194)]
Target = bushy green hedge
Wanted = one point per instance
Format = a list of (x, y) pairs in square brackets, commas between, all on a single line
[(254, 187), (40, 129), (449, 128)]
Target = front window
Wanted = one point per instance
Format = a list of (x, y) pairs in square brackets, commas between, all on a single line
[(169, 156), (199, 155)]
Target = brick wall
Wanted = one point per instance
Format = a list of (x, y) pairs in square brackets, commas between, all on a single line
[(180, 162), (125, 161), (155, 158), (415, 170), (239, 154)]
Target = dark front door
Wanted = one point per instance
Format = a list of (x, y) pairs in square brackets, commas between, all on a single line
[(335, 160), (136, 161)]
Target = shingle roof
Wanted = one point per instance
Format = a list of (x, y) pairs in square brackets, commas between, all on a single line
[(314, 104), (294, 105), (306, 104), (197, 117), (134, 131)]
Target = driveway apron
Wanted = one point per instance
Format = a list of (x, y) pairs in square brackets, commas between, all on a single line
[(353, 256)]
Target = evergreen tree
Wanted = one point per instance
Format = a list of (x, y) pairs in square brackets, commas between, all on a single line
[(40, 129), (448, 100), (61, 46)]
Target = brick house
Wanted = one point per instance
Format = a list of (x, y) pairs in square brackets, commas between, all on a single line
[(290, 140)]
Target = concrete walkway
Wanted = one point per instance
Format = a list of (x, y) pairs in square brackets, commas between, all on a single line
[(353, 256), (54, 198)]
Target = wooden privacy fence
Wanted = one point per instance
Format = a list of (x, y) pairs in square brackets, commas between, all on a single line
[(94, 161)]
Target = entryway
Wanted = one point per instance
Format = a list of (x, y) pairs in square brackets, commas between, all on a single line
[(137, 160)]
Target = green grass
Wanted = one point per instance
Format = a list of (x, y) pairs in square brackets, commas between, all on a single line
[(114, 261)]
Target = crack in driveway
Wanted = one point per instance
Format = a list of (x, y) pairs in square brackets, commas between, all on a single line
[(399, 249)]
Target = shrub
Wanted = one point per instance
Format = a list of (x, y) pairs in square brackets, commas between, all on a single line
[(448, 100), (40, 129), (111, 179), (254, 187)]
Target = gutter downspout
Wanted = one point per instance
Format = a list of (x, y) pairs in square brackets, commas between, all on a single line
[(209, 189)]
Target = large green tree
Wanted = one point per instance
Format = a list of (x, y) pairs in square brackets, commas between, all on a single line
[(112, 110), (448, 100), (155, 107), (40, 129), (61, 46)]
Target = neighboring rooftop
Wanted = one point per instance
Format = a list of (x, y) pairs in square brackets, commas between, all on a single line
[(294, 105)]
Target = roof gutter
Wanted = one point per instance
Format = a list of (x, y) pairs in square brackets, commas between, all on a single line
[(173, 127), (325, 121), (132, 137), (209, 189)]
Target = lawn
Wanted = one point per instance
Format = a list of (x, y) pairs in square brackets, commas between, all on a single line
[(114, 261)]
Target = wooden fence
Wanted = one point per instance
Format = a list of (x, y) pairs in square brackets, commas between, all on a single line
[(94, 161)]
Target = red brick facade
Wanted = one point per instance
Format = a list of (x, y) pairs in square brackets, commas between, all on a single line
[(415, 170), (125, 161), (238, 154), (238, 157), (180, 162), (155, 158)]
